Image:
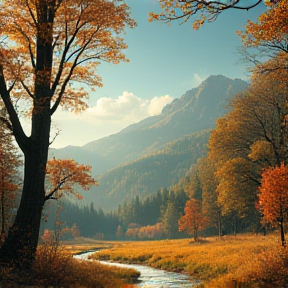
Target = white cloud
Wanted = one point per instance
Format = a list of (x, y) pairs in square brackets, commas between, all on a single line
[(108, 116), (198, 79), (157, 104)]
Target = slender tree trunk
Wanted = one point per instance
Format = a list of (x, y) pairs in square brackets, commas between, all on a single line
[(282, 234), (195, 232), (235, 226), (219, 225)]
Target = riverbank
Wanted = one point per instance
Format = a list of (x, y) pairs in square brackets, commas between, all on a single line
[(253, 261), (54, 267)]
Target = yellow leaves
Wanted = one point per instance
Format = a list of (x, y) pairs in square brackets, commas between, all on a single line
[(198, 23), (272, 26), (81, 34), (261, 150)]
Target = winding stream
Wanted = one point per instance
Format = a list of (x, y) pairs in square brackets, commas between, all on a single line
[(150, 277)]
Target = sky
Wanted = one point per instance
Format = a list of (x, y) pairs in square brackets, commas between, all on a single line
[(165, 62)]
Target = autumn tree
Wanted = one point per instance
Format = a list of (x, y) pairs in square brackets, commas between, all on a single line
[(211, 207), (64, 176), (184, 10), (249, 138), (273, 197), (193, 220), (9, 178), (268, 36), (47, 46)]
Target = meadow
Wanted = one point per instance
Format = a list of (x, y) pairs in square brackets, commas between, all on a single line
[(230, 262), (244, 261)]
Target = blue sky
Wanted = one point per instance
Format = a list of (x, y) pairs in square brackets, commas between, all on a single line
[(165, 62)]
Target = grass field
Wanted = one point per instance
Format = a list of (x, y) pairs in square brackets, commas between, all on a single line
[(242, 261), (54, 267)]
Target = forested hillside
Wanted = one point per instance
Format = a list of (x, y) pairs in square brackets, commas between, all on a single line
[(195, 111), (147, 174), (158, 151)]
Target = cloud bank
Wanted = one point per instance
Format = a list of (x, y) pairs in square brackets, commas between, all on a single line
[(108, 116)]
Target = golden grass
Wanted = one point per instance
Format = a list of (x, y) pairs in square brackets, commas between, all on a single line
[(80, 244), (215, 261), (55, 267)]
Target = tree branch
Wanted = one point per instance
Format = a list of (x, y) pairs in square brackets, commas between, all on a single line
[(56, 134), (51, 193), (26, 89), (75, 64), (21, 138), (214, 8)]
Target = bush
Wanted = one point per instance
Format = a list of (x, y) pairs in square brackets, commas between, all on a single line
[(269, 266)]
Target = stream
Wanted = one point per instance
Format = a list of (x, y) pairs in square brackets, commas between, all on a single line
[(150, 277)]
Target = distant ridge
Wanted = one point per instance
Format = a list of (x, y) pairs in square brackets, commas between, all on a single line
[(194, 111)]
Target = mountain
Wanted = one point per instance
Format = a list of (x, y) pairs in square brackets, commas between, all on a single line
[(145, 175), (195, 111)]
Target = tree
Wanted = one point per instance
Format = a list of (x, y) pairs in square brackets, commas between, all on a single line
[(211, 207), (269, 36), (249, 138), (170, 219), (119, 232), (193, 220), (206, 10), (46, 47), (9, 174), (64, 175), (273, 197)]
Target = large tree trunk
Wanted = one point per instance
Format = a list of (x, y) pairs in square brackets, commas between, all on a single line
[(21, 243)]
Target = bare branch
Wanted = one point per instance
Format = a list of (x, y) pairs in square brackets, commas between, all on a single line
[(55, 136), (27, 89)]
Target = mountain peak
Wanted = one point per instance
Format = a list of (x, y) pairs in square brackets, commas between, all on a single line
[(194, 111)]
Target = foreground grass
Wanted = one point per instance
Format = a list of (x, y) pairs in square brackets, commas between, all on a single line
[(55, 268), (253, 261)]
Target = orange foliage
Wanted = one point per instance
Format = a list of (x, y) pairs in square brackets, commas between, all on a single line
[(146, 232), (193, 221), (271, 28), (9, 162), (64, 175), (273, 197), (269, 36), (83, 33)]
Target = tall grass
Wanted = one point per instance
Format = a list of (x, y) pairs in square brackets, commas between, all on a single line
[(57, 268), (246, 261)]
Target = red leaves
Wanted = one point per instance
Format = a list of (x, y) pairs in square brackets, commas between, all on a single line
[(273, 197)]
